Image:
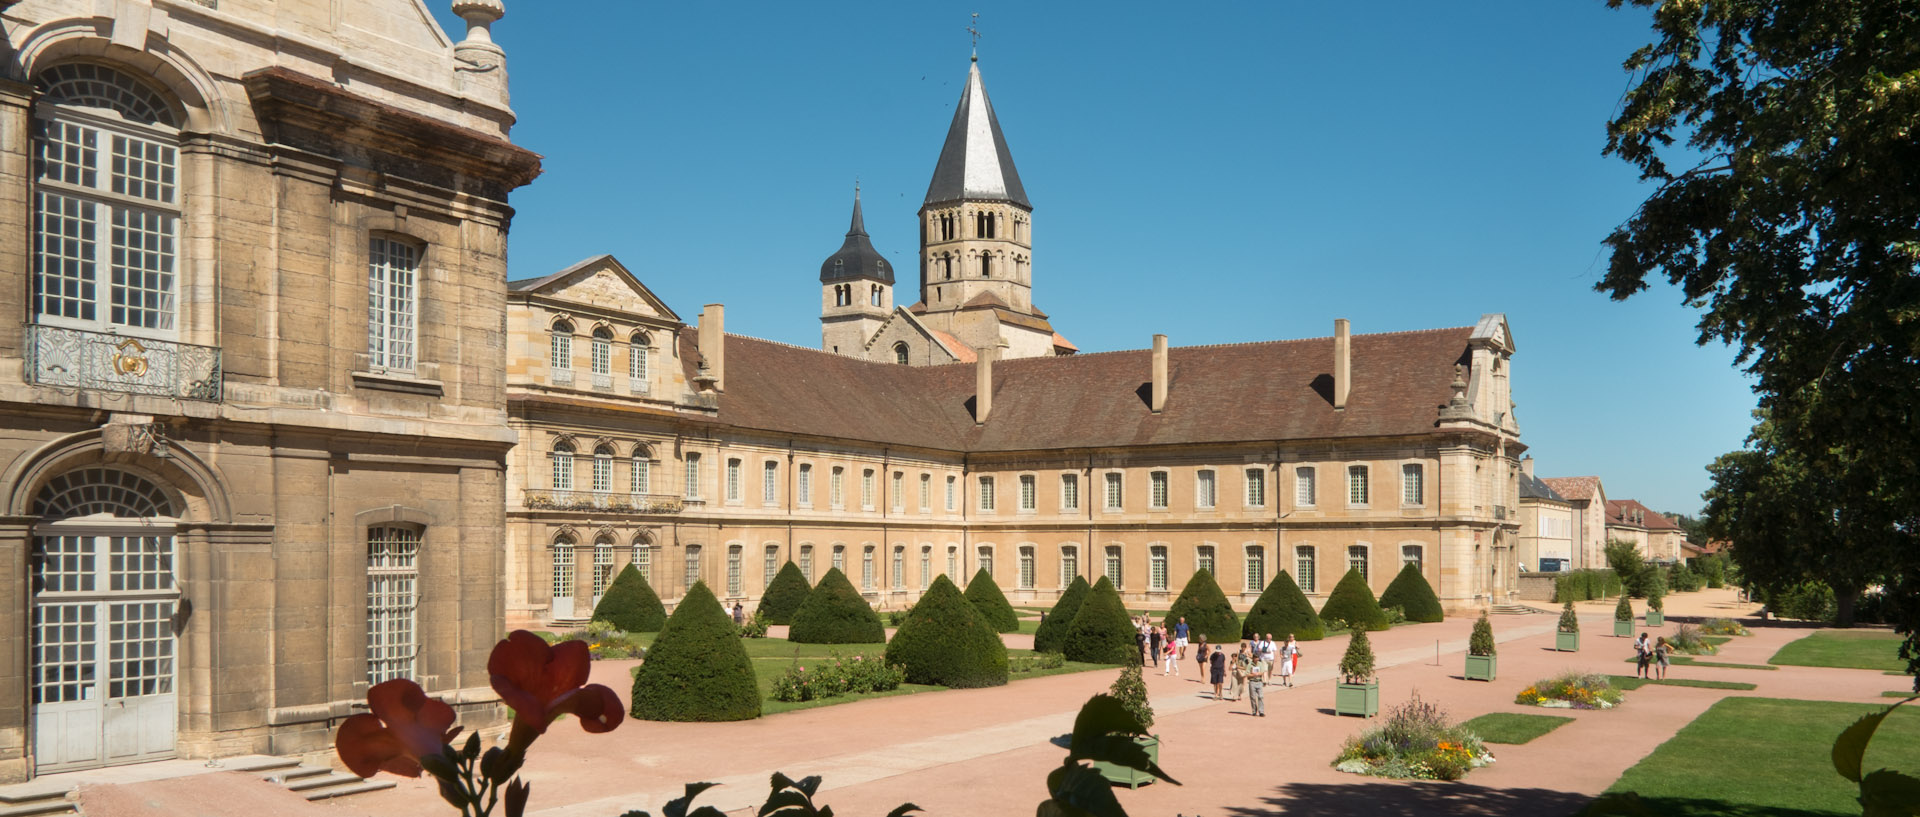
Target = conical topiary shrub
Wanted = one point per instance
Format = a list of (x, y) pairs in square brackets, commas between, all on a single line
[(1053, 630), (1481, 642), (1206, 610), (1356, 666), (945, 641), (1352, 605), (834, 613), (631, 604), (1624, 610), (1413, 595), (697, 669), (1283, 609), (785, 595), (1101, 632), (992, 603), (1569, 623)]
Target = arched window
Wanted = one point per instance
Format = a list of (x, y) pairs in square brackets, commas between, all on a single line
[(639, 348), (643, 557), (640, 471), (867, 579), (563, 466), (602, 469), (602, 358), (602, 566), (106, 196), (946, 264), (560, 352), (840, 558), (953, 564), (874, 295), (926, 566), (986, 265), (393, 601), (563, 575)]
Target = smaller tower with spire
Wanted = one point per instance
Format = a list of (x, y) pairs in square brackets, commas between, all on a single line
[(856, 291)]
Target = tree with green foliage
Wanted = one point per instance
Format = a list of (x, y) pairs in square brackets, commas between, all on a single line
[(1283, 609), (1130, 689), (1102, 632), (1410, 592), (697, 670), (1053, 629), (1481, 642), (946, 641), (1630, 565), (835, 613), (1206, 609), (630, 604), (1569, 621), (784, 595), (1624, 610), (1356, 665), (992, 603), (1352, 604), (1794, 226)]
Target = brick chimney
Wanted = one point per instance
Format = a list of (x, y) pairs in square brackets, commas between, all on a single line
[(1526, 465), (1342, 362), (713, 343), (983, 383), (1159, 373)]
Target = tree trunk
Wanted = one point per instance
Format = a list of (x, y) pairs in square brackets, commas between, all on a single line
[(1843, 603)]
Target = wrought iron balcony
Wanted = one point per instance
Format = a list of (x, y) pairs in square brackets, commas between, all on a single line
[(75, 358), (601, 501)]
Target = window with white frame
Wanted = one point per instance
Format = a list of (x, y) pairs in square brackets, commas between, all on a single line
[(734, 557), (953, 562), (1114, 494), (560, 349), (1027, 567), (563, 466), (1413, 555), (601, 357), (803, 485), (1303, 489), (771, 568), (835, 478), (692, 574), (926, 493), (984, 559), (1203, 560), (1357, 559), (898, 489), (866, 488), (866, 568), (806, 562), (602, 565), (640, 472), (1256, 487), (393, 602), (691, 461), (1157, 490), (1069, 492), (769, 482), (986, 494), (639, 352), (563, 567), (1069, 565), (1412, 484), (1356, 485), (1303, 567), (1157, 567), (840, 558), (733, 479), (643, 558), (602, 468), (1205, 493), (1029, 492), (926, 566), (1113, 565), (1256, 568), (393, 303), (899, 567), (109, 180), (952, 500)]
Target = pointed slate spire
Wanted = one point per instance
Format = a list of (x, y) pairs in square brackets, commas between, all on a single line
[(857, 259), (975, 162)]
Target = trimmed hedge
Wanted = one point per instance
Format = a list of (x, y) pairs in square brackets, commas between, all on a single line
[(1413, 595), (785, 595), (1101, 632), (991, 603), (1206, 610), (1283, 609), (1585, 585), (946, 641), (630, 604), (834, 613), (1352, 603), (1053, 631), (697, 670)]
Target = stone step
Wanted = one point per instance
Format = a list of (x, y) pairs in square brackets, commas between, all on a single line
[(361, 787), (1513, 610), (293, 773), (312, 782), (49, 805)]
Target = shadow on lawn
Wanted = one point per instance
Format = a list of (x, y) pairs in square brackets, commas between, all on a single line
[(1421, 799)]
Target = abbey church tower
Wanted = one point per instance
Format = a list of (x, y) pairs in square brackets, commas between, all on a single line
[(856, 291)]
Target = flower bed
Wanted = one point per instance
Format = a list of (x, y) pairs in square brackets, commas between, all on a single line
[(607, 642), (1416, 741), (837, 676), (1574, 690), (1723, 626), (1686, 639)]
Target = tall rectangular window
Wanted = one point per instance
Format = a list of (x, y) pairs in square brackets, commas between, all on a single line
[(986, 494), (1205, 493), (1157, 567), (771, 568), (953, 563), (1256, 487), (1069, 565), (1114, 494), (926, 492), (899, 567), (951, 500), (1256, 569), (393, 272), (637, 354), (1303, 492), (1157, 490), (692, 575), (834, 487), (393, 602), (1356, 485), (602, 471), (899, 490), (866, 489), (1113, 565), (1412, 491), (769, 482), (639, 474), (733, 570), (1357, 559), (840, 558), (984, 559), (600, 355), (563, 469), (1303, 568), (733, 479), (95, 186), (804, 485), (563, 568), (692, 463), (1413, 555), (1027, 567), (1028, 492), (560, 348), (866, 568), (1069, 492), (643, 560), (806, 562), (602, 568), (926, 567), (1203, 560)]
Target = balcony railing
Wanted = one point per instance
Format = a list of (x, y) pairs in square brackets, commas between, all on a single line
[(602, 382), (602, 501), (75, 358)]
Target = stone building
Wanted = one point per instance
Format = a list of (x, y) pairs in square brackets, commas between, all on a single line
[(1546, 524), (1587, 500), (1657, 537), (252, 425)]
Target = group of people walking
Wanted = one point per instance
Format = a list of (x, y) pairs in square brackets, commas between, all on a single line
[(1652, 657), (1256, 664)]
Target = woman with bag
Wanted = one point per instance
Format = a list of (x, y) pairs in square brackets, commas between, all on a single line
[(1289, 655)]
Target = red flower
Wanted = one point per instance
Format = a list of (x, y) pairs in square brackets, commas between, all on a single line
[(541, 682), (404, 725)]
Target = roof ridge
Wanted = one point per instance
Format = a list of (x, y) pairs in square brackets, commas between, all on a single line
[(1275, 342)]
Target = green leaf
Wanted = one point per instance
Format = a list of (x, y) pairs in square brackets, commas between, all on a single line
[(677, 807), (1100, 715), (1086, 791), (1850, 749), (1889, 794), (904, 810)]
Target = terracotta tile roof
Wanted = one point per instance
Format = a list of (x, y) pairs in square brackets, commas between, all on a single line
[(1618, 511), (985, 299), (1574, 488), (1060, 342), (953, 344), (1277, 390)]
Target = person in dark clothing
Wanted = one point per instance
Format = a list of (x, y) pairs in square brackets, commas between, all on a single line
[(1157, 638), (1140, 640), (1217, 663)]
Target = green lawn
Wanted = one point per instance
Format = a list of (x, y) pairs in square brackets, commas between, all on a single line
[(1854, 649), (1898, 693), (1688, 660), (1715, 640), (1507, 727), (1633, 682), (1766, 757)]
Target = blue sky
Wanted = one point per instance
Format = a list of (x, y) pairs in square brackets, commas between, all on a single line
[(1221, 173)]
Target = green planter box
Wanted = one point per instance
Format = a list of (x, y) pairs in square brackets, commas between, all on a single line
[(1656, 618), (1482, 667), (1131, 778), (1566, 642), (1357, 699), (1623, 629)]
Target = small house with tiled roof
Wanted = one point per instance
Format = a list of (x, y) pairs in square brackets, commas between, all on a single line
[(1546, 524), (1588, 499), (1658, 537)]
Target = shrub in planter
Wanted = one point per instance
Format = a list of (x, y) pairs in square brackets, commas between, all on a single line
[(630, 604), (1413, 595), (1567, 635), (1101, 632), (992, 603), (834, 613), (1053, 629), (697, 670), (1206, 610), (1569, 621), (1352, 604), (1416, 741), (945, 641), (1358, 692), (1656, 604), (1131, 691), (1356, 665), (785, 595), (1482, 665), (1623, 617), (1283, 609)]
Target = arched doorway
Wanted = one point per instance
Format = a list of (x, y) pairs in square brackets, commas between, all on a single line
[(105, 605)]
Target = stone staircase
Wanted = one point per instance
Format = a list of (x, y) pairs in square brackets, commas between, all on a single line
[(1514, 610), (36, 803), (312, 782)]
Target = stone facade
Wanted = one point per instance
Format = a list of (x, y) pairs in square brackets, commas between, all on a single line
[(1546, 524), (233, 407)]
